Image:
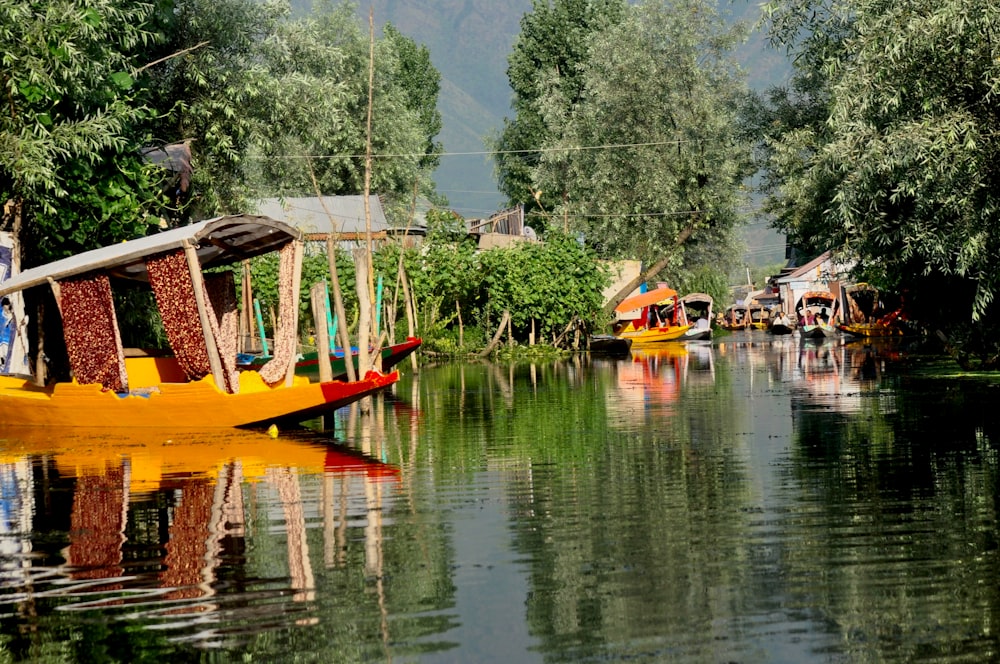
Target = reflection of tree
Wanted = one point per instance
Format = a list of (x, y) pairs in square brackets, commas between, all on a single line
[(628, 529), (899, 496)]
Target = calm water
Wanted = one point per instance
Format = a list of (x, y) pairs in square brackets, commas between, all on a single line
[(743, 502)]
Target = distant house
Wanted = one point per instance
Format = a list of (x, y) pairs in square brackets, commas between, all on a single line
[(341, 216), (501, 229), (822, 273)]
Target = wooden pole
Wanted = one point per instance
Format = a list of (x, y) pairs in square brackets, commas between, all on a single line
[(369, 338), (296, 284), (338, 304), (364, 305), (409, 309), (248, 340), (198, 283), (319, 309)]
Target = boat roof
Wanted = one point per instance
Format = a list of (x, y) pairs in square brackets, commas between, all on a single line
[(655, 296), (220, 241), (818, 295), (697, 297)]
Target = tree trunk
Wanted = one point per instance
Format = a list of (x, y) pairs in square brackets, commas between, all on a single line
[(651, 271), (504, 320)]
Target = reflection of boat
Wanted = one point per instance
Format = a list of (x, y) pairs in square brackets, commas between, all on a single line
[(218, 533), (817, 312), (157, 454), (650, 327), (198, 386), (698, 311), (308, 363), (608, 344), (865, 314)]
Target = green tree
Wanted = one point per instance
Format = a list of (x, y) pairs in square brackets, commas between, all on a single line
[(210, 88), (904, 180), (552, 45), (70, 172), (544, 285), (648, 162), (319, 86), (790, 123)]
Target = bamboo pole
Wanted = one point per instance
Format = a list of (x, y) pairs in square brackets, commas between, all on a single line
[(363, 342), (319, 309), (299, 248), (247, 329), (361, 264), (409, 309), (338, 303), (198, 283)]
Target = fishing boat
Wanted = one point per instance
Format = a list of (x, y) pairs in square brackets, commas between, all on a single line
[(307, 364), (697, 309), (865, 314), (193, 384), (653, 325), (817, 312)]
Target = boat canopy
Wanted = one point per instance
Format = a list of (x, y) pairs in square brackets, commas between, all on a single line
[(641, 300), (220, 241)]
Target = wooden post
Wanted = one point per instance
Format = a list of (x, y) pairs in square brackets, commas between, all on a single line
[(319, 310), (338, 304), (410, 310), (247, 328), (364, 305), (198, 283), (296, 284)]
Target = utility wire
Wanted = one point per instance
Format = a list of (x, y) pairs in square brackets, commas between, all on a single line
[(483, 153)]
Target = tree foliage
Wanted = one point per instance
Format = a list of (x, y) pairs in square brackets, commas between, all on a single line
[(90, 83), (551, 46), (70, 172), (902, 178), (647, 161)]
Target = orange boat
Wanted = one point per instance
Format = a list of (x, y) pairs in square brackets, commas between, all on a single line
[(196, 383)]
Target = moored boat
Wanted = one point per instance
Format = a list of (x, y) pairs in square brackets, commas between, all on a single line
[(865, 314), (196, 383), (698, 312), (608, 344), (659, 320), (736, 317), (307, 364), (817, 312)]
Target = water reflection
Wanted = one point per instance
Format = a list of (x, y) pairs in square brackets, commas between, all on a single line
[(159, 525), (754, 500)]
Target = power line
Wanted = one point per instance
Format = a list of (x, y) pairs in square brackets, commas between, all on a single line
[(483, 153)]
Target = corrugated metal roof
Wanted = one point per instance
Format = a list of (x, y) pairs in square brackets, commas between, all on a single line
[(308, 213), (219, 241)]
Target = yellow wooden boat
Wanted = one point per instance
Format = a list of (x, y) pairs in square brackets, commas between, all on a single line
[(649, 327), (653, 335), (197, 385)]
